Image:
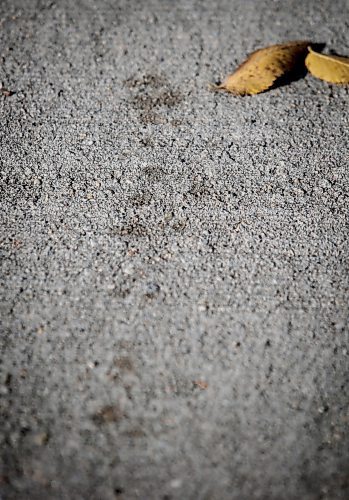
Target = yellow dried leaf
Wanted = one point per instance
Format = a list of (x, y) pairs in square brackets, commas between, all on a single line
[(264, 66), (333, 69)]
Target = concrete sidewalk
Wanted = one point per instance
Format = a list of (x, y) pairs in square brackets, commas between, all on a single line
[(174, 282)]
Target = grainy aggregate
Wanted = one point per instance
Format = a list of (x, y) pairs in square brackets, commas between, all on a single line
[(174, 261)]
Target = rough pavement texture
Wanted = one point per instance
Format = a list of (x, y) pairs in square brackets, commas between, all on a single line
[(174, 261)]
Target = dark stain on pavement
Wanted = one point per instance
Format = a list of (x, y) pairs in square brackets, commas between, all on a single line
[(150, 95)]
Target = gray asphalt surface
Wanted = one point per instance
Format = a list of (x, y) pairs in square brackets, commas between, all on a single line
[(174, 261)]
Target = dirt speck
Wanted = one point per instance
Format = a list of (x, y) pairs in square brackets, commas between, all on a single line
[(118, 490), (133, 228), (136, 432), (201, 384), (5, 92), (108, 414), (41, 438), (153, 80), (124, 363)]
